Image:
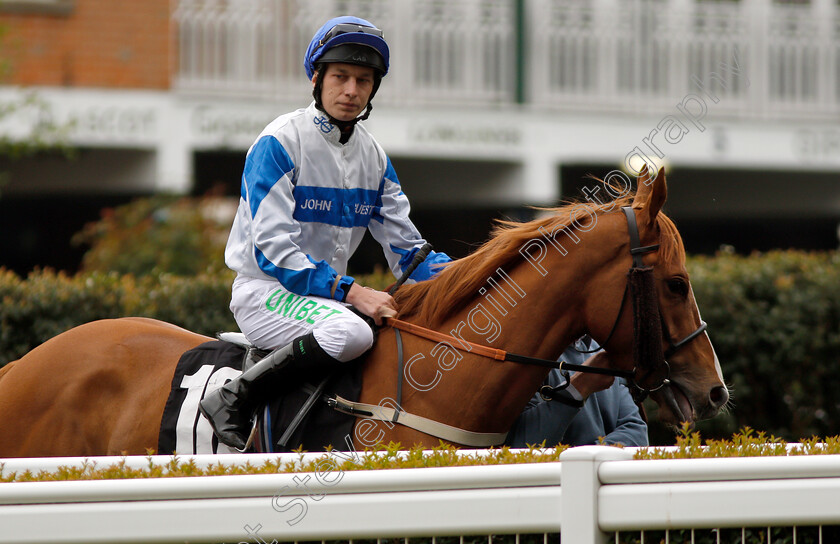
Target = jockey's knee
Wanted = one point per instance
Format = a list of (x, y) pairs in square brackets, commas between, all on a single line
[(347, 341)]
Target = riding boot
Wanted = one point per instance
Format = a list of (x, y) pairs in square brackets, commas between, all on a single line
[(230, 408)]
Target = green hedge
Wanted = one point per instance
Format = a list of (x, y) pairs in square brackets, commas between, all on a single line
[(689, 445), (47, 303), (774, 319)]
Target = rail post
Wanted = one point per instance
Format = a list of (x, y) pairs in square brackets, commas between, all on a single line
[(579, 485)]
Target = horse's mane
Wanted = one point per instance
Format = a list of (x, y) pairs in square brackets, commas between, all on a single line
[(458, 282)]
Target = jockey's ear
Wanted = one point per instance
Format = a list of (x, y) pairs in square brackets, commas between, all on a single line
[(650, 193)]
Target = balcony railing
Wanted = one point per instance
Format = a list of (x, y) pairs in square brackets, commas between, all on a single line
[(753, 58)]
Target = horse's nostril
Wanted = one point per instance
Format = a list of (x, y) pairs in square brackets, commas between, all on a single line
[(718, 396)]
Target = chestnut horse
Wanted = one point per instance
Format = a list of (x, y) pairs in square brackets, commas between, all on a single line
[(533, 288)]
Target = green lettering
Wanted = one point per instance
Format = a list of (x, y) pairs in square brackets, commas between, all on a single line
[(305, 309), (274, 306), (311, 318), (333, 312), (289, 304)]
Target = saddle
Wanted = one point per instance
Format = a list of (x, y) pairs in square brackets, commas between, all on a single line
[(291, 410), (297, 417)]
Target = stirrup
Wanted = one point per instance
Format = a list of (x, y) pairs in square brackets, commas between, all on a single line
[(251, 436)]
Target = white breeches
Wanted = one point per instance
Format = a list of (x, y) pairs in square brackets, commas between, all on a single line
[(271, 317)]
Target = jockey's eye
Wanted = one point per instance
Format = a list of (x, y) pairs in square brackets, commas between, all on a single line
[(677, 286)]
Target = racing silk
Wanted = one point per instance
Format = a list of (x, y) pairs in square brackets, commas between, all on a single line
[(306, 202)]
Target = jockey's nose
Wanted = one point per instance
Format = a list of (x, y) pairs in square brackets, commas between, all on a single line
[(351, 87)]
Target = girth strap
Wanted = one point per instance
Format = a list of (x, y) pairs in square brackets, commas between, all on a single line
[(418, 423)]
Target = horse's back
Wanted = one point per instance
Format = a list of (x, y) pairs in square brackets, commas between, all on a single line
[(99, 388)]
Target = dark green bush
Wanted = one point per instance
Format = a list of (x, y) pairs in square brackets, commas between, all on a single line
[(47, 303), (198, 303), (774, 319)]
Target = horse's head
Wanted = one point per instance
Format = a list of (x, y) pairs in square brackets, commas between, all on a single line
[(686, 382)]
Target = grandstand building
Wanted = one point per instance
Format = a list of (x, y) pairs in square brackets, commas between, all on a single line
[(491, 106)]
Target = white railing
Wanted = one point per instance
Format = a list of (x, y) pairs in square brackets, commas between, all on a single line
[(625, 56), (591, 491)]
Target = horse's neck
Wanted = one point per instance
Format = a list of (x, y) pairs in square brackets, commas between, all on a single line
[(521, 312), (524, 311)]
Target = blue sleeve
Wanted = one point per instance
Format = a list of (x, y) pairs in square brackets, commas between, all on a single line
[(427, 269), (542, 420), (629, 428)]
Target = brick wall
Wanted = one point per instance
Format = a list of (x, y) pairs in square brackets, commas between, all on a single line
[(99, 43)]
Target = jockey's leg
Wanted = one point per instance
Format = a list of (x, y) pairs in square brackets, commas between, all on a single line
[(326, 333), (230, 407)]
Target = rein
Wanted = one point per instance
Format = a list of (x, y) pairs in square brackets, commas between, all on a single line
[(396, 414), (498, 354)]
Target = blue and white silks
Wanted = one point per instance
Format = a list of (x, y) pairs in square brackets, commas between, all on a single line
[(306, 201)]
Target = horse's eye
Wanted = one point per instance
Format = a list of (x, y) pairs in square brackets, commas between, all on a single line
[(678, 286)]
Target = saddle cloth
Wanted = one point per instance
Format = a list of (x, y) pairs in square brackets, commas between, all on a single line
[(209, 366)]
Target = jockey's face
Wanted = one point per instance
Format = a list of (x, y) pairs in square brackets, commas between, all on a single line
[(345, 89)]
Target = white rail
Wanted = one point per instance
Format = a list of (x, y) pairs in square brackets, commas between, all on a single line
[(592, 490)]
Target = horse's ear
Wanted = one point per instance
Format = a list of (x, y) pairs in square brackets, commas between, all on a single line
[(650, 193)]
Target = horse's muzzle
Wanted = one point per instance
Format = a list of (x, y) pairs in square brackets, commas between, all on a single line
[(718, 398)]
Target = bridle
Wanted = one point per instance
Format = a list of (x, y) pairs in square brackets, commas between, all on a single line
[(651, 370)]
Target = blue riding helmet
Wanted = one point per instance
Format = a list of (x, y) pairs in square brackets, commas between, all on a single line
[(348, 39)]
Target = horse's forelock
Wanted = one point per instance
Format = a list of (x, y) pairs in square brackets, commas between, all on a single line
[(670, 242)]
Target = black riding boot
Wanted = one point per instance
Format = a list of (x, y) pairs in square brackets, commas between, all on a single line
[(229, 408)]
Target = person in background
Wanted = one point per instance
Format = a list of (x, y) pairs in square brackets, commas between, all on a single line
[(314, 182), (606, 410)]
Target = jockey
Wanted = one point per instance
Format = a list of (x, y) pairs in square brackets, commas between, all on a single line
[(314, 181)]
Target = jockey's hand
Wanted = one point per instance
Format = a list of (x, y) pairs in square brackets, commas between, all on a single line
[(587, 383), (372, 303)]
